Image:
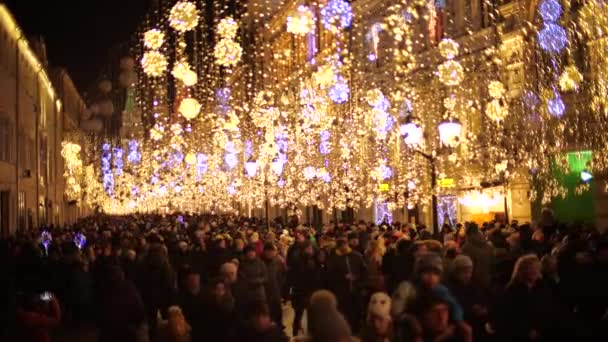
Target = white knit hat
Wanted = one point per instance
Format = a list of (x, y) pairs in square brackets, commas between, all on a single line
[(379, 305)]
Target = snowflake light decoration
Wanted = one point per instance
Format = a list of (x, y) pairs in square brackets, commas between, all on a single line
[(550, 10), (570, 79), (556, 106), (339, 92), (336, 15), (227, 28), (154, 39), (45, 239), (552, 38), (154, 63), (448, 48), (301, 21), (451, 73), (80, 240), (227, 52), (183, 16)]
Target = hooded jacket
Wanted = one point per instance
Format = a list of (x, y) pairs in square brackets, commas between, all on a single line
[(482, 255)]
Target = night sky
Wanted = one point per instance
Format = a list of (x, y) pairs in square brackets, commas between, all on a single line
[(79, 34)]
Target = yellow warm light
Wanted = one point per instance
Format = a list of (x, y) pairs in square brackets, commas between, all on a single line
[(189, 108), (183, 16), (190, 158), (154, 39), (154, 63)]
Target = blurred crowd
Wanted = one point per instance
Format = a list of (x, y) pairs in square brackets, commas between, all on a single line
[(186, 277)]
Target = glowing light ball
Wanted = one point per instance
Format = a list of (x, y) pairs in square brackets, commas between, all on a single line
[(189, 108), (339, 92), (183, 16), (412, 133), (570, 79), (301, 21), (552, 38), (496, 111), (550, 10), (190, 78), (309, 172), (154, 63), (231, 160), (451, 73), (227, 28), (180, 69), (157, 132), (496, 89), (227, 52), (336, 15), (324, 77), (154, 39), (448, 48), (449, 132), (556, 106), (191, 159), (251, 167)]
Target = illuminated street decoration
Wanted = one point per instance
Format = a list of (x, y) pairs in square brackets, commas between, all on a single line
[(336, 15), (154, 39), (301, 21), (154, 63), (183, 16)]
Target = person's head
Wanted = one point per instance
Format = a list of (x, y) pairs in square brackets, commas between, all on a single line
[(176, 320), (260, 316), (218, 288), (462, 269), (300, 235), (549, 265), (270, 251), (239, 244), (342, 246), (192, 282), (255, 237), (220, 242), (332, 327), (229, 272), (434, 314), (379, 314), (527, 270), (419, 249), (308, 250), (353, 239), (428, 268), (249, 251), (183, 246)]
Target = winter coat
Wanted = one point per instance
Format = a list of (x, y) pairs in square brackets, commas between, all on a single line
[(482, 254), (253, 277), (306, 279), (407, 292), (272, 334), (121, 312), (339, 265), (521, 310), (156, 282), (276, 279)]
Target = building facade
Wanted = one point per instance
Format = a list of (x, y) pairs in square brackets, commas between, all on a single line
[(31, 132)]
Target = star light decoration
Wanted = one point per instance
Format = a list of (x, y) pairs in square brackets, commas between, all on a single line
[(336, 15), (339, 92), (183, 16), (301, 21)]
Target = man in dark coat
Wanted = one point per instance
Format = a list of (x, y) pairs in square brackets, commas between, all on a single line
[(348, 277), (482, 254), (305, 278), (156, 284), (253, 277), (276, 278)]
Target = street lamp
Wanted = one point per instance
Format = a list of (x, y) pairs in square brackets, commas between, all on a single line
[(449, 135)]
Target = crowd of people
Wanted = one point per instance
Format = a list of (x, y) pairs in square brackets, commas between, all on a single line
[(196, 278)]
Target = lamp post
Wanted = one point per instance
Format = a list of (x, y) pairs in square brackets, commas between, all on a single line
[(449, 132)]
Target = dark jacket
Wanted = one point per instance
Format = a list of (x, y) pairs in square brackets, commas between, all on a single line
[(121, 312), (156, 281), (276, 279), (482, 255), (339, 266), (521, 310), (253, 278), (273, 334)]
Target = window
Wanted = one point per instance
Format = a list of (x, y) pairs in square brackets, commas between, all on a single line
[(6, 139), (21, 210)]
